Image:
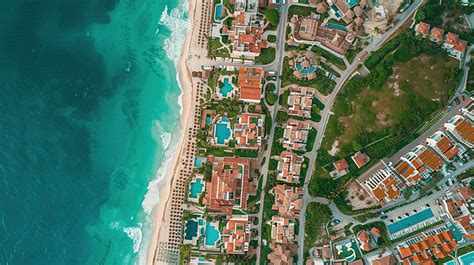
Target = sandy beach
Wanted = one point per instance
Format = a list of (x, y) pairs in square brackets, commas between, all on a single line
[(161, 221)]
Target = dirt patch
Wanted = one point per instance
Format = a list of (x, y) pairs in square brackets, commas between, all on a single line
[(334, 148), (358, 197)]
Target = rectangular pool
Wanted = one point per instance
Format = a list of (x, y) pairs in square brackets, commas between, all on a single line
[(410, 221), (218, 13)]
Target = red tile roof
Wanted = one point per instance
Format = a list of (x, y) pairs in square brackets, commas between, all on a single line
[(423, 28), (341, 165), (249, 83)]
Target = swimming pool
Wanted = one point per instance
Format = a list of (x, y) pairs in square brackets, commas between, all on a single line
[(467, 258), (191, 230), (212, 235), (226, 88), (208, 120), (352, 3), (198, 161), (218, 13), (410, 221), (196, 188), (304, 70), (222, 132), (336, 26)]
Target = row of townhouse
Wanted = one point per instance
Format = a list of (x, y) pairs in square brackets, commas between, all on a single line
[(451, 42)]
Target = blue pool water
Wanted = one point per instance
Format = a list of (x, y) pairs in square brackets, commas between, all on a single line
[(190, 230), (208, 120), (305, 71), (336, 26), (467, 258), (222, 132), (212, 235), (410, 221), (196, 188), (352, 3), (199, 160), (226, 88), (218, 13)]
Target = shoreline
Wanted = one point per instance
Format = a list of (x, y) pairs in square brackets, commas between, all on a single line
[(185, 102)]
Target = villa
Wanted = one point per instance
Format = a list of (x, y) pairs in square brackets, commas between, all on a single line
[(236, 235), (231, 183), (460, 214), (289, 167), (368, 239), (438, 245), (442, 145), (288, 200), (455, 46), (360, 159), (250, 84), (300, 102), (385, 260), (308, 30), (341, 10), (461, 129), (380, 182), (296, 135), (249, 131), (282, 254), (282, 230), (341, 168)]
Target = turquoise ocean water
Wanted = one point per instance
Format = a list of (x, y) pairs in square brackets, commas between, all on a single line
[(89, 106)]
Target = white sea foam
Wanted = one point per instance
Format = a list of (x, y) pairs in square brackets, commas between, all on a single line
[(135, 233)]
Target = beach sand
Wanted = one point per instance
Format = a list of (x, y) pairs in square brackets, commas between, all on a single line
[(161, 220)]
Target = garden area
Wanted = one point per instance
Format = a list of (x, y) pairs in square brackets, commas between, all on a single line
[(267, 55), (317, 216)]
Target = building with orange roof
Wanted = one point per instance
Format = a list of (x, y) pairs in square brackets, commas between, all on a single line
[(282, 254), (368, 239), (425, 156), (288, 200), (385, 260), (442, 145), (467, 193), (250, 84), (437, 35), (381, 183), (360, 159), (341, 168), (300, 102), (289, 167), (249, 130), (423, 29), (438, 245), (295, 136), (282, 230), (236, 235), (340, 9), (461, 129), (457, 210), (308, 30), (231, 184)]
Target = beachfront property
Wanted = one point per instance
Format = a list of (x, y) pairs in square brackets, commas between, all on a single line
[(231, 184), (380, 183), (201, 261), (451, 42), (443, 146), (341, 168), (368, 239), (249, 131), (193, 230), (360, 159), (250, 84), (300, 102), (438, 245), (222, 131), (236, 235), (196, 188), (282, 254), (295, 135), (282, 230), (461, 129), (289, 167), (288, 200), (308, 30)]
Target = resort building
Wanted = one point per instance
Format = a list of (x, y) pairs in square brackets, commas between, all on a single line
[(248, 6), (288, 200), (384, 260), (289, 167), (461, 129), (341, 168), (250, 84), (421, 154), (341, 10), (455, 46), (460, 214), (282, 230), (308, 30), (300, 102), (236, 235), (196, 188), (360, 159), (231, 183), (437, 245), (380, 183), (249, 131), (442, 145), (368, 238), (296, 135), (282, 254)]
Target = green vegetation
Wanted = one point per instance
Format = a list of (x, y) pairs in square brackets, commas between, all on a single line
[(272, 38), (384, 240), (283, 101), (272, 16), (216, 49), (330, 57), (267, 55), (268, 119), (311, 137), (277, 148), (300, 11), (271, 98), (282, 116), (317, 216)]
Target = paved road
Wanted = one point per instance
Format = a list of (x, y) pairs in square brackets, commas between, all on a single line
[(376, 44)]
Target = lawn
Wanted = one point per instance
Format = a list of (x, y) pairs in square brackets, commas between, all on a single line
[(317, 216), (216, 49), (267, 55)]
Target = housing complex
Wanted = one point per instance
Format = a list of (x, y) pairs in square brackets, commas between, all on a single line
[(451, 42)]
